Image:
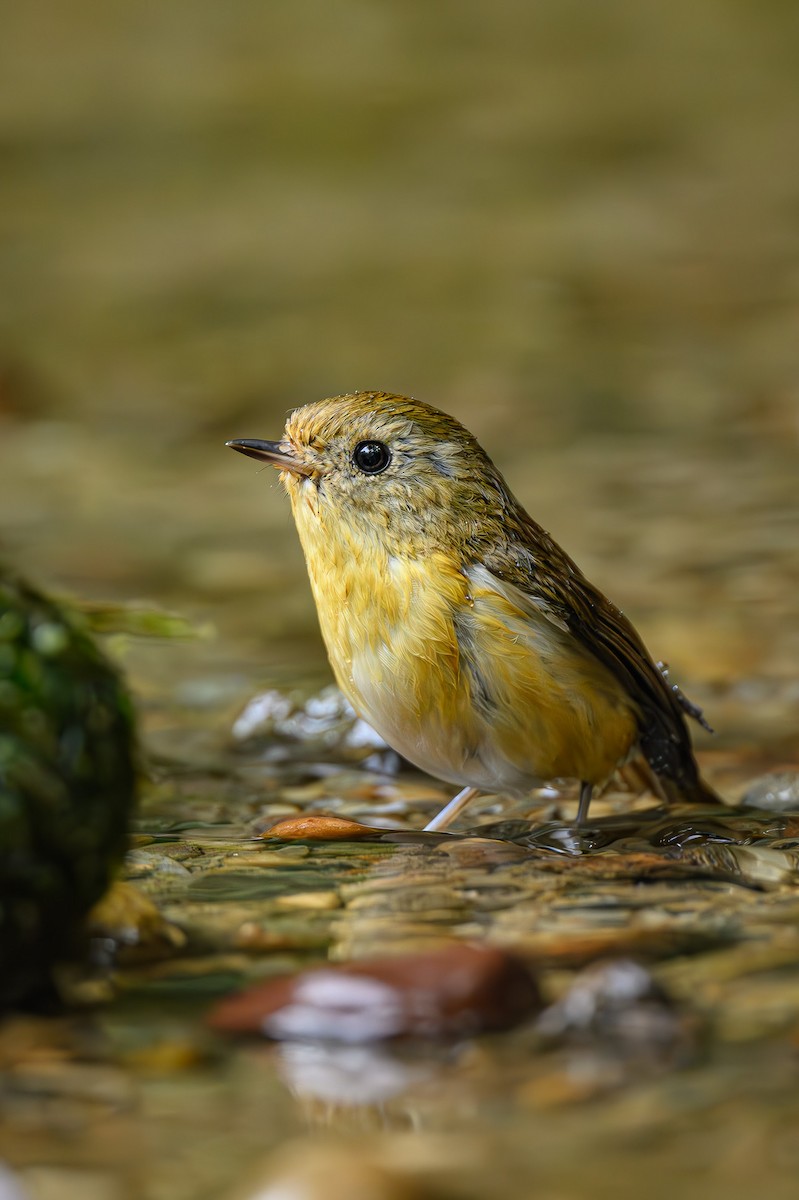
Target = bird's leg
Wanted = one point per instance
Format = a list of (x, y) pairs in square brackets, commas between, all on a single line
[(448, 813), (586, 790)]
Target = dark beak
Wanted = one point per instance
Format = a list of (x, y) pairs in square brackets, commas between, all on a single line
[(277, 454)]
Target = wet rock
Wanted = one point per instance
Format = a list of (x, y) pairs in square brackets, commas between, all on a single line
[(759, 1008), (309, 901), (125, 925), (708, 861), (10, 1186), (757, 866), (320, 828), (72, 1183), (325, 719), (352, 1074), (777, 792), (140, 864), (314, 1171), (456, 991), (481, 853), (581, 946), (262, 715), (278, 934), (617, 1003), (165, 1055)]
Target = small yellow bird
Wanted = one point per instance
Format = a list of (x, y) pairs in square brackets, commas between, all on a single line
[(455, 625)]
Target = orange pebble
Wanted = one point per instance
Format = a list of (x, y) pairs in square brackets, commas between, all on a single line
[(320, 828)]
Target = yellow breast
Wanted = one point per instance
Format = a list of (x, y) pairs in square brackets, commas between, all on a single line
[(452, 672)]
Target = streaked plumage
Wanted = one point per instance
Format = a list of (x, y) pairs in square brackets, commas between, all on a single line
[(454, 624)]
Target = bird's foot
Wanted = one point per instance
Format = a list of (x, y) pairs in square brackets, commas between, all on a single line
[(450, 811)]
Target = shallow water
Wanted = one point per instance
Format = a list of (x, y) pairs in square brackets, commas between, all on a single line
[(132, 1096), (590, 256)]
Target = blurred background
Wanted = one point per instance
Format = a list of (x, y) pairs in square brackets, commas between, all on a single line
[(574, 226)]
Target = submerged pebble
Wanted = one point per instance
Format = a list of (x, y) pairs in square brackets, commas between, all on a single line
[(350, 1074), (458, 990), (126, 924), (621, 1005), (776, 792), (10, 1187), (309, 1171), (326, 719)]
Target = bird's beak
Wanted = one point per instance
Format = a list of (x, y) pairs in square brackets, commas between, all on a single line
[(277, 454)]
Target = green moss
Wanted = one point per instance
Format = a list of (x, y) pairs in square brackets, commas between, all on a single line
[(67, 781)]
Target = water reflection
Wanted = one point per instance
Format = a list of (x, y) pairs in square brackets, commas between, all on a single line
[(352, 1075)]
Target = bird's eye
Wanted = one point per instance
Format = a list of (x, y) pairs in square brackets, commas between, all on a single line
[(371, 457)]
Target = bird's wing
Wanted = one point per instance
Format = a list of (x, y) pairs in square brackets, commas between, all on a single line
[(543, 574)]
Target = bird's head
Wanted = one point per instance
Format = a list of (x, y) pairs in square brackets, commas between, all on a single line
[(386, 467)]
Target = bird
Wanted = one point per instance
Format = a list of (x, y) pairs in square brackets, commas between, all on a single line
[(455, 625)]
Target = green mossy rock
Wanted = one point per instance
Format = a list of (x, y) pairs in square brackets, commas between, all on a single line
[(67, 783)]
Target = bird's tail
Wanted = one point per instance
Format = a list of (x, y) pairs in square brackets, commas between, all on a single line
[(697, 792), (692, 789)]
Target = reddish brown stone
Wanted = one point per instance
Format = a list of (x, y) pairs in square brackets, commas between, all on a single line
[(320, 828), (459, 990)]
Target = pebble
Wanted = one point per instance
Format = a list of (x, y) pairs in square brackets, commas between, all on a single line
[(129, 920), (618, 1003), (314, 901), (10, 1187), (350, 1075), (313, 1171), (455, 991), (46, 1182), (320, 828), (256, 938), (141, 863), (481, 852), (777, 792), (278, 808)]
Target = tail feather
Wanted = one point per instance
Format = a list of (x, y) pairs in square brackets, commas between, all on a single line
[(639, 774), (698, 792), (688, 706)]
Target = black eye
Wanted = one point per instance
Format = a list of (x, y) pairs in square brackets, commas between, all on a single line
[(371, 457)]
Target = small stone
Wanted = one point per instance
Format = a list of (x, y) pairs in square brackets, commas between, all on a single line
[(309, 901), (142, 863), (777, 792), (57, 1182), (480, 852), (10, 1187), (165, 1057), (455, 991), (619, 1004), (360, 736), (560, 1088), (261, 714), (350, 1075), (313, 1171), (125, 923), (320, 828), (283, 856), (276, 936), (277, 808)]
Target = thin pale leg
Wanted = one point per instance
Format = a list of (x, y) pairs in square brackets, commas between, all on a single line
[(585, 800), (450, 811)]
